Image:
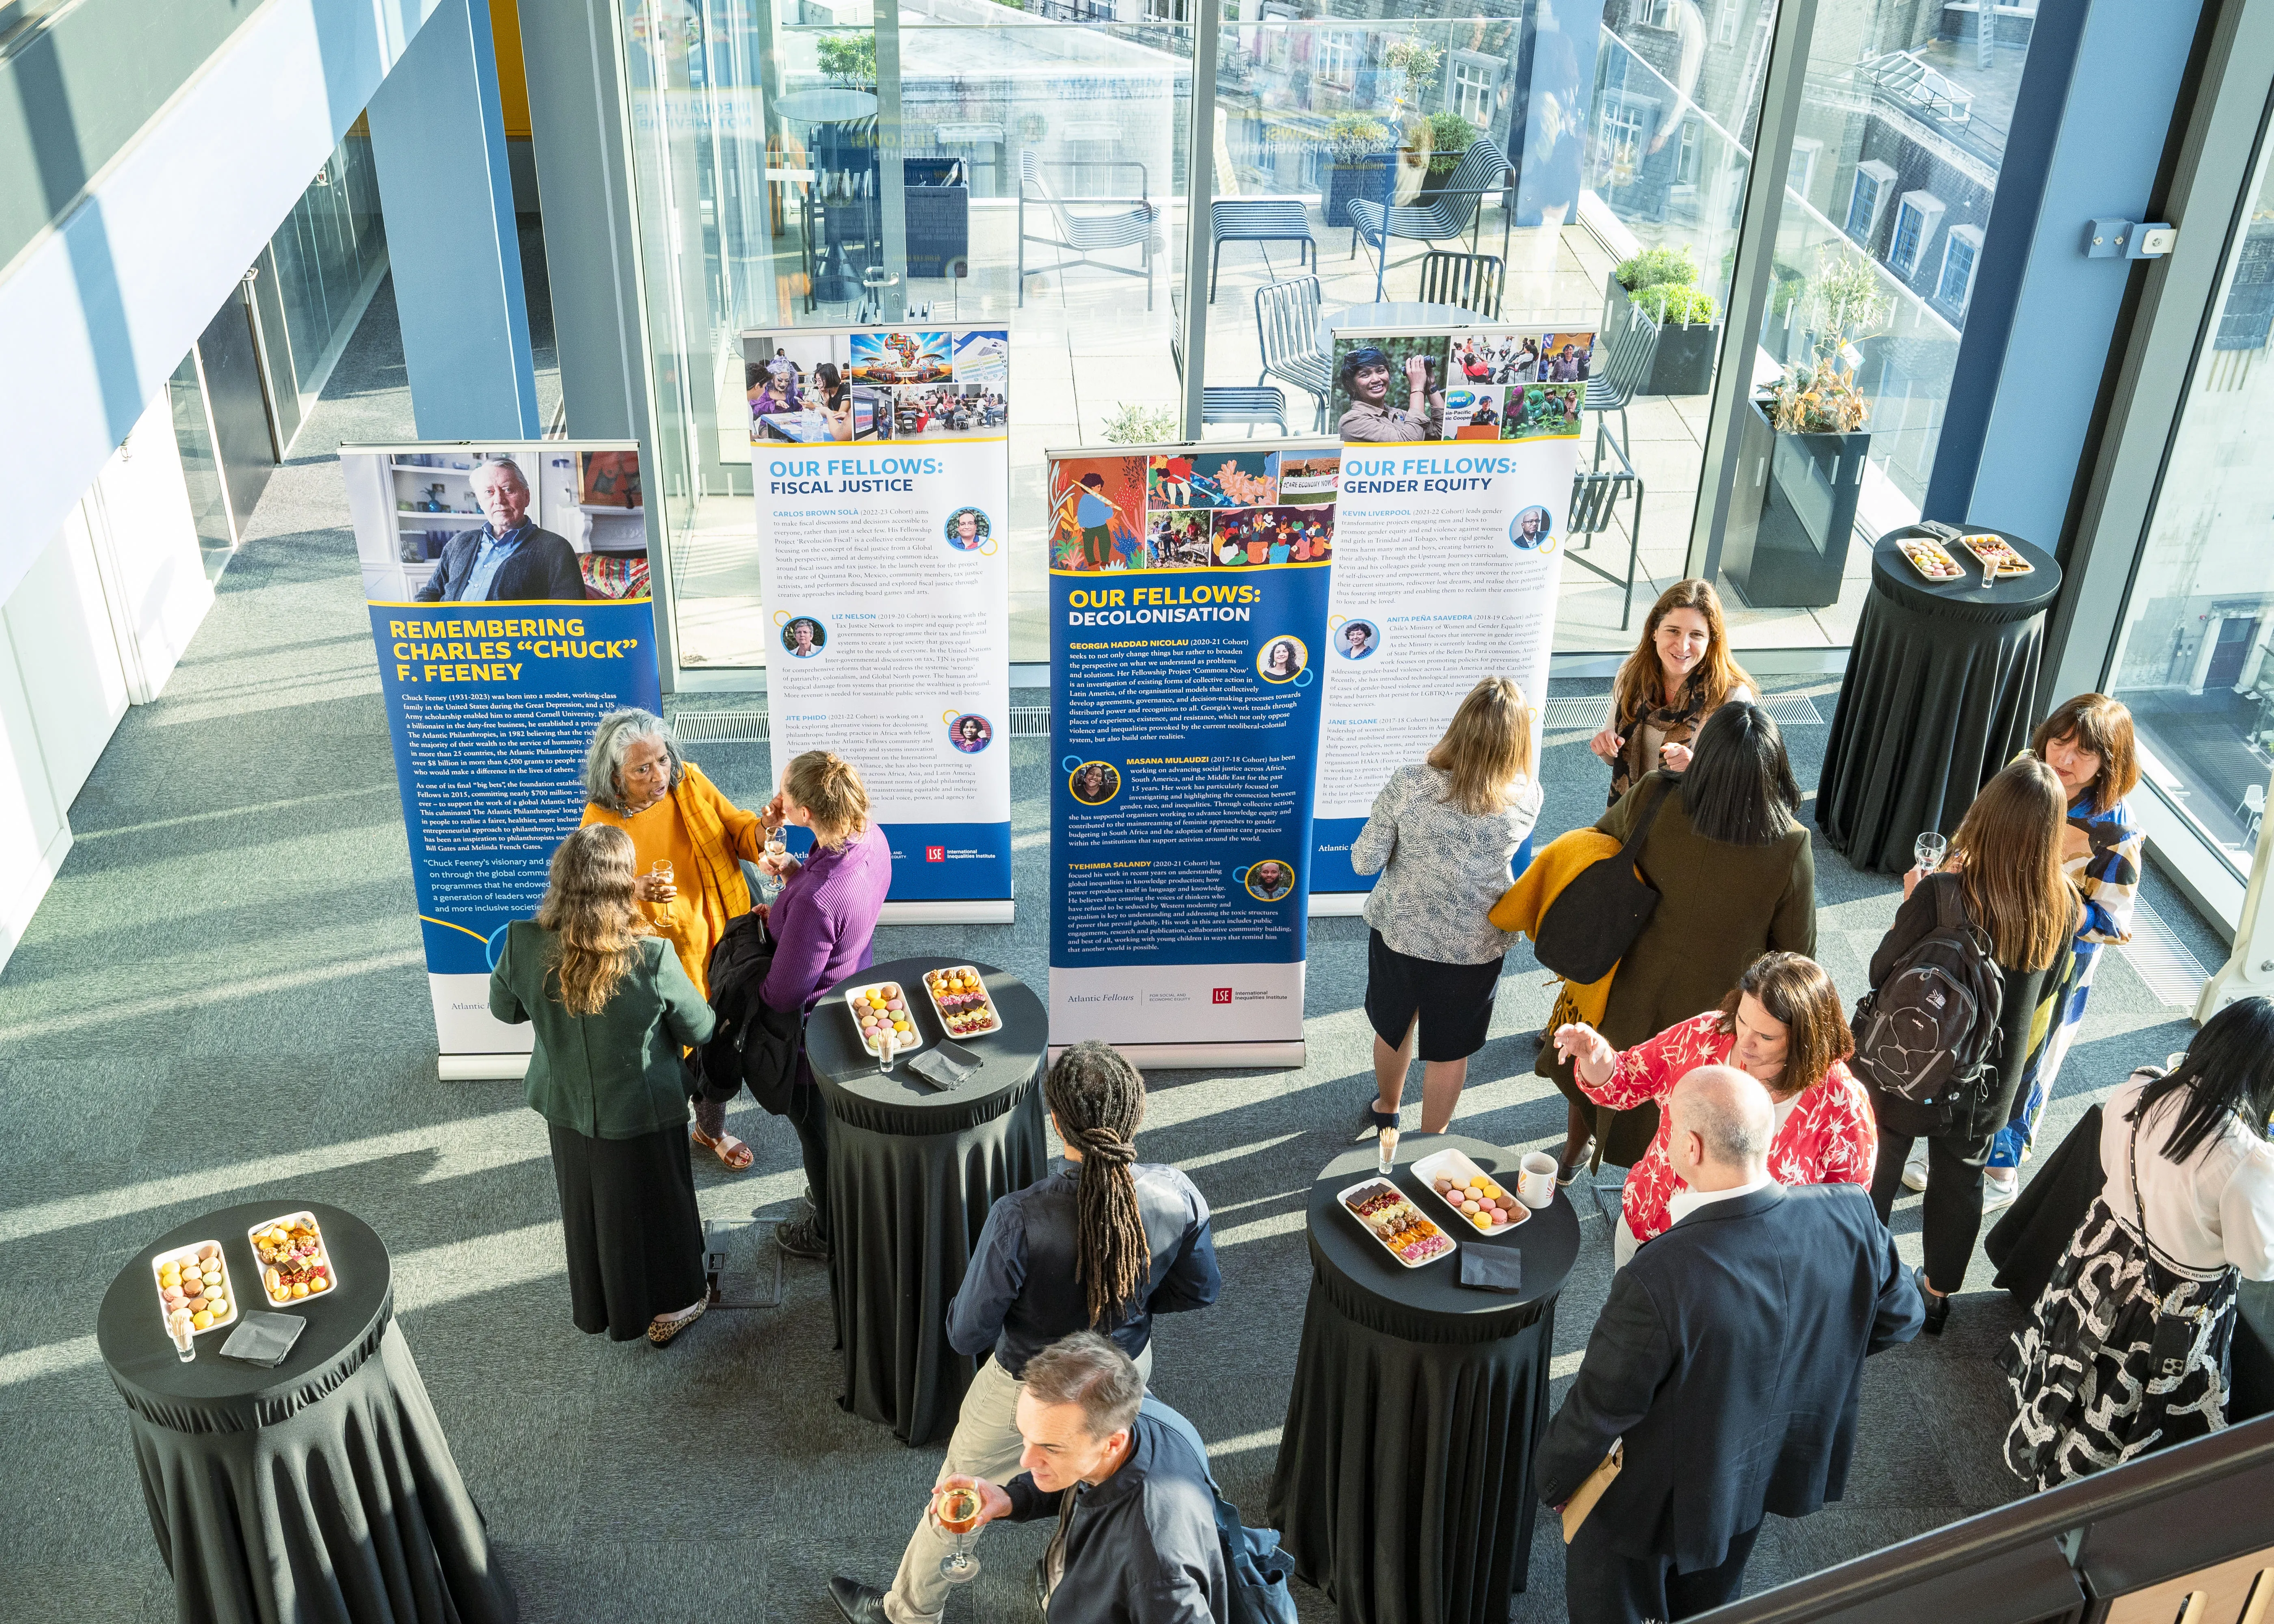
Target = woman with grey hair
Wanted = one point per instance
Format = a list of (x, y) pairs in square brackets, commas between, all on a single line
[(688, 843)]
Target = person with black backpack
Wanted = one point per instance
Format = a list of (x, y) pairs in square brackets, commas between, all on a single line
[(1958, 984)]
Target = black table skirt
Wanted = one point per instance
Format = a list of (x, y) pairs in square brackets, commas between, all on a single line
[(1940, 692)]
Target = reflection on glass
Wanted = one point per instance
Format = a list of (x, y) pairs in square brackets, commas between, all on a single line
[(200, 468), (2192, 662)]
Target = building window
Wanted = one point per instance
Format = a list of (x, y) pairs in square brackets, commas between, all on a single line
[(1475, 77), (1686, 158), (1959, 255), (1656, 13), (1338, 56), (1914, 219), (1724, 23), (1801, 173), (1166, 11), (1622, 140), (1874, 180)]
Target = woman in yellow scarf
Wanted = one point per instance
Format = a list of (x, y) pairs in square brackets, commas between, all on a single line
[(637, 779)]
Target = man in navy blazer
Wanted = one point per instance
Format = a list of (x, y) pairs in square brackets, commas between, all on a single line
[(1729, 1359), (508, 560)]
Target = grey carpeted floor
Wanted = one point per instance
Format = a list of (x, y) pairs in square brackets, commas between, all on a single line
[(222, 1000)]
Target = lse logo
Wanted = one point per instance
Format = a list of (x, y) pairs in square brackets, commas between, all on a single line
[(935, 854), (1221, 995)]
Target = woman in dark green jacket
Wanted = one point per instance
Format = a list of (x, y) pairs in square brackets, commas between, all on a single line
[(613, 1008)]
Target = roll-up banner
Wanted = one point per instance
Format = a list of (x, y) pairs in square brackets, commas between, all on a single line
[(1458, 450), (1188, 607), (881, 462), (507, 590)]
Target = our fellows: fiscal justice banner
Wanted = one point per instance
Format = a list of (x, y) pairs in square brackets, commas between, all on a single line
[(1188, 600), (880, 459), (494, 669)]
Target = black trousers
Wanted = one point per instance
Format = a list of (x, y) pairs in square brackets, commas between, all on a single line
[(1953, 1209), (1603, 1586), (808, 1114)]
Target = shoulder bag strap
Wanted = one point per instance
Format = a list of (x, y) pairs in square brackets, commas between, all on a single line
[(1641, 830)]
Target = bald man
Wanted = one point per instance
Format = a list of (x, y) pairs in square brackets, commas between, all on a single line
[(1729, 1361)]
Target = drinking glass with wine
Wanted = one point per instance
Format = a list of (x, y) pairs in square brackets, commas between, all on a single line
[(955, 1507)]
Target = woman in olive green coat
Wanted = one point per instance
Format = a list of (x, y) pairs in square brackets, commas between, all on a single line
[(613, 1008), (1735, 879)]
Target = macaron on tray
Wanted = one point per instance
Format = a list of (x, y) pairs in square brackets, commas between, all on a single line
[(294, 1265), (880, 1009), (960, 994), (1386, 1215), (194, 1291), (1477, 1198)]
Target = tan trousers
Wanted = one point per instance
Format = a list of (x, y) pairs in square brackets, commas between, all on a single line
[(985, 1444)]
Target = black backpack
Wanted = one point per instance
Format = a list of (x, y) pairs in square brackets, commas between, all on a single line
[(1929, 1035)]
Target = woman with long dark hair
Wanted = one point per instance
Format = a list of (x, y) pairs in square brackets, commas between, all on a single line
[(2149, 1282), (1730, 859), (1102, 1243), (2004, 872), (1679, 674)]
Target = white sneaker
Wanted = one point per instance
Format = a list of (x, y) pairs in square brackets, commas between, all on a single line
[(1999, 1186), (1915, 1167)]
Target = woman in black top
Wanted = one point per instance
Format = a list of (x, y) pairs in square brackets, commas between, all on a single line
[(2005, 866)]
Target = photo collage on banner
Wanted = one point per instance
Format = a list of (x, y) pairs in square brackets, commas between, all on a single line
[(1188, 598), (1458, 454), (507, 590), (880, 459)]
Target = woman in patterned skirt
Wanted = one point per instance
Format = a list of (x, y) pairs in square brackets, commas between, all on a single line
[(2126, 1350)]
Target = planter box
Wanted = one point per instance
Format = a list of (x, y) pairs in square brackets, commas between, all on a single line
[(1367, 178), (1792, 515), (1684, 362)]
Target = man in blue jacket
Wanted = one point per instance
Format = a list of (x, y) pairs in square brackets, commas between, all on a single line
[(1728, 1364), (508, 560)]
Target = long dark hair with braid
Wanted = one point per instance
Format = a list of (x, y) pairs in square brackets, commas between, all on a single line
[(1098, 1099)]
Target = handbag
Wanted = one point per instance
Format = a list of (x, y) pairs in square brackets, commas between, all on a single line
[(1595, 919), (1584, 1498)]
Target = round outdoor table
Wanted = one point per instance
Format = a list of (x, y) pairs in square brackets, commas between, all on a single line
[(826, 105), (1939, 693), (1394, 314), (1404, 1487), (912, 1172), (321, 1488)]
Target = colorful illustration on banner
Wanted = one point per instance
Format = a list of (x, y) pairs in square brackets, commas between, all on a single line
[(1244, 539), (1542, 411), (983, 357), (803, 636), (1282, 659), (1094, 782), (1390, 391), (1532, 530), (1566, 358), (1178, 540), (969, 531), (1355, 640), (970, 734), (1097, 513), (1267, 880), (902, 357), (1473, 413)]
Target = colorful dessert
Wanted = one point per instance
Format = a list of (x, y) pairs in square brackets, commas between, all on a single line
[(193, 1289), (961, 997), (293, 1263), (1930, 558), (1997, 558), (1477, 1197), (880, 1009), (1394, 1221)]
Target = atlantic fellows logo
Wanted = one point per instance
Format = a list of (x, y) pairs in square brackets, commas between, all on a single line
[(1221, 995)]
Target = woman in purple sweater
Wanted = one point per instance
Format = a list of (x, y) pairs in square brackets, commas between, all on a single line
[(823, 923)]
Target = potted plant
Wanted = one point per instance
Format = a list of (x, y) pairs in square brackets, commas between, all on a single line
[(1803, 447), (1663, 280), (849, 59), (1449, 135), (1362, 150)]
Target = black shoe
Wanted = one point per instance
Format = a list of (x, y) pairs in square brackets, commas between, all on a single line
[(1937, 1306), (801, 1237), (1372, 1122), (863, 1603), (1567, 1173)]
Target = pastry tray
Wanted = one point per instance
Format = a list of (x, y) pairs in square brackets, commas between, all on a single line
[(1997, 557), (1449, 1164), (1922, 553), (182, 1254), (1365, 1186), (323, 1259), (907, 1043), (986, 1004)]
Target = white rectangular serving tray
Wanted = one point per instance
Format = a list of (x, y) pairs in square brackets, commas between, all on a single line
[(915, 1038), (187, 1254), (1449, 1164), (324, 1249), (1342, 1200), (987, 999)]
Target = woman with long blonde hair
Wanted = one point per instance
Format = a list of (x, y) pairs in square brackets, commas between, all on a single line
[(612, 1010), (1442, 835), (1679, 674), (2004, 874)]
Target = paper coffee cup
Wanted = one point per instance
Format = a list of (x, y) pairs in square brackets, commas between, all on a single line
[(1535, 1179)]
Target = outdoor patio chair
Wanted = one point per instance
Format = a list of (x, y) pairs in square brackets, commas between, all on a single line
[(1287, 329), (1457, 207), (1596, 493), (1258, 220), (1087, 226), (1239, 402), (1624, 367), (1469, 280)]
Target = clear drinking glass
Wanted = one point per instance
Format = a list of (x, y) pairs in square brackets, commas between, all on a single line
[(662, 870), (955, 1507), (769, 883), (1930, 849)]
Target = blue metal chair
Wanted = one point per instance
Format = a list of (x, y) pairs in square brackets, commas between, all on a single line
[(1458, 206), (1287, 331), (1258, 220), (1253, 404), (1124, 222), (1596, 493)]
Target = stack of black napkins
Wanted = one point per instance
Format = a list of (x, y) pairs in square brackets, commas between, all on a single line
[(1492, 1268), (263, 1339), (945, 1065)]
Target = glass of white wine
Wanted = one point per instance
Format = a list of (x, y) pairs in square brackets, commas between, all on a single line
[(1930, 849), (661, 871)]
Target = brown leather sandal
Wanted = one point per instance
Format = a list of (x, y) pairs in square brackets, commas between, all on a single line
[(730, 1150)]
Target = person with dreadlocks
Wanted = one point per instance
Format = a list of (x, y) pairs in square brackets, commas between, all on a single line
[(1102, 1243)]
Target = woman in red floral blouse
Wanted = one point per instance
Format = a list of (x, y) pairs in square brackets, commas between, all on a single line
[(1782, 1024)]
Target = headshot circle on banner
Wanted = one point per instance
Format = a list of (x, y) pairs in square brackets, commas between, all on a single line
[(967, 731), (1284, 659), (1353, 639), (1267, 879), (1092, 783), (803, 636), (969, 530), (1532, 529)]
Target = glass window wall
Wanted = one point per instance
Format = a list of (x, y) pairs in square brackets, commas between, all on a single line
[(329, 255)]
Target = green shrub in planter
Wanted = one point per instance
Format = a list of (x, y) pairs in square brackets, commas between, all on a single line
[(1658, 267), (1676, 305), (1449, 135), (1130, 424)]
